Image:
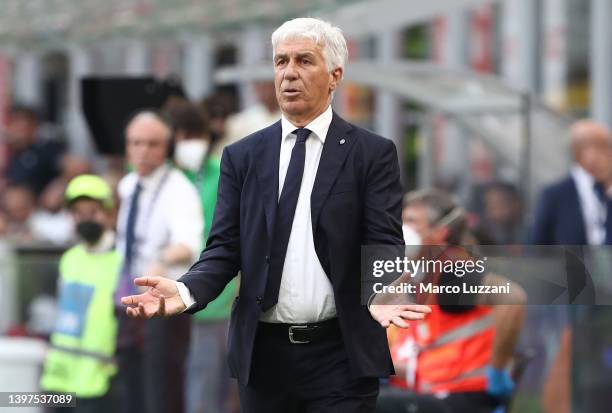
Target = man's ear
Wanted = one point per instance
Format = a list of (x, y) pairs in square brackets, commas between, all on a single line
[(336, 76)]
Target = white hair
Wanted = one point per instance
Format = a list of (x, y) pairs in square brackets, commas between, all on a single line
[(321, 32)]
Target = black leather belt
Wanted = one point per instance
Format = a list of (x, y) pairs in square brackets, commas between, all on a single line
[(303, 333)]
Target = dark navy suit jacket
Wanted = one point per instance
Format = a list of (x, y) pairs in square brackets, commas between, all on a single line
[(356, 200), (558, 218)]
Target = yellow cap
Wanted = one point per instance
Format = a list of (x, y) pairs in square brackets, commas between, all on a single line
[(90, 186)]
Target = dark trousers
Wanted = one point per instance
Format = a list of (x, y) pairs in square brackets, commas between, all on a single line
[(393, 400), (304, 378), (151, 358)]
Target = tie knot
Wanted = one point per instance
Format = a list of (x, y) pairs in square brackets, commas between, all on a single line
[(302, 134)]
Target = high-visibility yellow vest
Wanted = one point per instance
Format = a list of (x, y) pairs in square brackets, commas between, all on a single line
[(80, 358)]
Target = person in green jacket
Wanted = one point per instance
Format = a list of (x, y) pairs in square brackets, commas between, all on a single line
[(82, 345), (208, 383)]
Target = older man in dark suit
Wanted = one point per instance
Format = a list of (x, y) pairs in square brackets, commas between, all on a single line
[(296, 201), (577, 210)]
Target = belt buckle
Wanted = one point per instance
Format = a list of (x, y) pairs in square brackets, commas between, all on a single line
[(294, 341)]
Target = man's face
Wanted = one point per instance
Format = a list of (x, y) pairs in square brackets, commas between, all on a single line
[(18, 204), (21, 131), (416, 216), (90, 210), (146, 144), (302, 81), (595, 156), (501, 207)]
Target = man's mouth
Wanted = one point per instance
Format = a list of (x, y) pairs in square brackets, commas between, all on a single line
[(290, 92)]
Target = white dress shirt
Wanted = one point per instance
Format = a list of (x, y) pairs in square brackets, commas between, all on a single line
[(306, 293), (169, 213), (593, 210)]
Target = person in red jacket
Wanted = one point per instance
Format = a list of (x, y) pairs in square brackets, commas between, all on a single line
[(456, 358)]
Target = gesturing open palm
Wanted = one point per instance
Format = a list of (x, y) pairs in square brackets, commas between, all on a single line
[(161, 299)]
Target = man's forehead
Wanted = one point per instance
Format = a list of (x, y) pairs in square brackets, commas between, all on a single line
[(298, 46), (146, 128)]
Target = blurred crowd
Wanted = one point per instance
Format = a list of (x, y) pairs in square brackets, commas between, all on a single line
[(36, 163), (36, 169)]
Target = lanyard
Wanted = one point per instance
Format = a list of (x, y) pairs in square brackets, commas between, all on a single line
[(149, 213)]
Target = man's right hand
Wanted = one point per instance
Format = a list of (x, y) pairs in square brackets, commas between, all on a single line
[(162, 299)]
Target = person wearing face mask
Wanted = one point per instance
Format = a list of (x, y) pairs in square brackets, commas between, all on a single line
[(456, 359), (82, 345), (208, 385)]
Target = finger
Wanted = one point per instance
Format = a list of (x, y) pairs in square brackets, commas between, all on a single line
[(131, 312), (416, 308), (398, 321), (424, 309), (385, 323), (132, 299), (147, 281), (411, 315)]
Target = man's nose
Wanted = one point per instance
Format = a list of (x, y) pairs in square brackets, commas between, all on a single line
[(291, 71)]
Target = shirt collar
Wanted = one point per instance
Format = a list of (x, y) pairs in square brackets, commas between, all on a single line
[(582, 177), (151, 180), (319, 126)]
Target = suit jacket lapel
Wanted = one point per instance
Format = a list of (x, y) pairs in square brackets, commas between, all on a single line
[(267, 159), (574, 201), (337, 146)]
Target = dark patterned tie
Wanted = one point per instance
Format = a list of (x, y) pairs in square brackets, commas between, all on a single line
[(284, 217), (126, 286)]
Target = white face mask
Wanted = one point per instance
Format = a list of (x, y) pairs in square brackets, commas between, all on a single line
[(413, 241), (189, 154)]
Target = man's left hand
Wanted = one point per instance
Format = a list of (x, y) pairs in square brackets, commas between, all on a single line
[(397, 314)]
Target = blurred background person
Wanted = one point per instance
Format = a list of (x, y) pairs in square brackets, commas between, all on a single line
[(32, 160), (17, 204), (160, 231), (502, 220), (82, 345), (207, 382), (576, 210), (251, 119), (459, 354), (51, 222), (218, 107)]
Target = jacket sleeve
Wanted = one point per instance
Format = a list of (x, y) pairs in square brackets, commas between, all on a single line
[(383, 199), (220, 260)]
